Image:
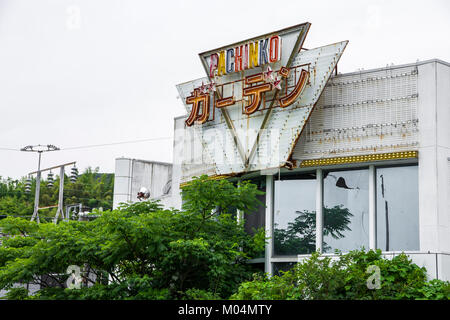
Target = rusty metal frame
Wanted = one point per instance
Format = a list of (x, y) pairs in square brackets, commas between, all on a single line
[(304, 27), (233, 132), (289, 158), (281, 31), (54, 167), (297, 47)]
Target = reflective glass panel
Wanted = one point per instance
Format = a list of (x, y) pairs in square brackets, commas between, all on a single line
[(295, 215), (397, 209), (257, 219), (346, 210)]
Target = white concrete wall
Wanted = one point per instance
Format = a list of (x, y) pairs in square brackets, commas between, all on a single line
[(434, 150), (443, 156), (133, 174), (178, 151), (174, 199), (122, 181), (432, 139)]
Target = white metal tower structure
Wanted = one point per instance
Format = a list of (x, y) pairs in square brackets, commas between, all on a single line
[(59, 211), (39, 149)]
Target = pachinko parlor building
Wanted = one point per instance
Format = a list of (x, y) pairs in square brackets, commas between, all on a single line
[(346, 160)]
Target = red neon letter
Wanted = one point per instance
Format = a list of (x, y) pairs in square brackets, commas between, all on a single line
[(255, 92), (274, 44), (238, 55), (290, 98), (196, 99)]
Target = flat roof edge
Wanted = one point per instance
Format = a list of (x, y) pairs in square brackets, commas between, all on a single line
[(146, 161), (399, 66), (180, 117)]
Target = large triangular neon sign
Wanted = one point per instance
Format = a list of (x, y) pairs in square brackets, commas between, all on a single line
[(249, 86)]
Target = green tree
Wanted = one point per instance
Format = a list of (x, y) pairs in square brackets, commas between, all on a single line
[(146, 252), (92, 189)]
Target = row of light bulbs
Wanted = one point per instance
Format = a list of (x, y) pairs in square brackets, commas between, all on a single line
[(363, 148), (354, 132), (342, 83), (373, 101)]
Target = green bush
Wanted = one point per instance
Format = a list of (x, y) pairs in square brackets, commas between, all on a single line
[(198, 294), (18, 293), (321, 278)]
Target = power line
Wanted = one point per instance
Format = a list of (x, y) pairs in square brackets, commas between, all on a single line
[(8, 149), (100, 145), (116, 143)]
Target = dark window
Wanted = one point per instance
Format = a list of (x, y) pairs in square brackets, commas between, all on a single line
[(282, 266), (295, 214), (257, 219), (397, 209)]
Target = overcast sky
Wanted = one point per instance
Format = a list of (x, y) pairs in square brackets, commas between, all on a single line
[(86, 72)]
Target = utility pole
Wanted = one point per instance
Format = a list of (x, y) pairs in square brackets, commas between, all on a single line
[(60, 210), (39, 149)]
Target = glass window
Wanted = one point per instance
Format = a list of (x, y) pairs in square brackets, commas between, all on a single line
[(258, 268), (257, 219), (397, 209), (282, 266), (346, 210), (295, 214)]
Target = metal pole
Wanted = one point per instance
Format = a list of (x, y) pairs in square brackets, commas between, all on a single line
[(319, 210), (387, 224), (36, 195), (386, 212), (239, 213), (269, 224), (39, 149), (60, 196), (372, 208)]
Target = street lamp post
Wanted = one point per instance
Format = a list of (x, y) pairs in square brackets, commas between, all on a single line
[(39, 149)]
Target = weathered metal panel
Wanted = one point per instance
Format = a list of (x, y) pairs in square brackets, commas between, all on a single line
[(367, 112), (283, 126), (229, 135), (189, 159)]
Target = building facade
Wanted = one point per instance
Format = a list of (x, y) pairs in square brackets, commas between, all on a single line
[(358, 159)]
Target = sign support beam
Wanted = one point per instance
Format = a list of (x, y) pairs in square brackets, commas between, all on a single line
[(297, 48)]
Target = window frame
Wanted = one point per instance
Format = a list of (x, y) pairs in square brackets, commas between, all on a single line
[(372, 202)]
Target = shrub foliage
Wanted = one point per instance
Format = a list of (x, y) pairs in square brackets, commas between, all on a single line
[(146, 252), (322, 278)]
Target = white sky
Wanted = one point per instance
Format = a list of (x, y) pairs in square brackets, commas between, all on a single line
[(109, 73)]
